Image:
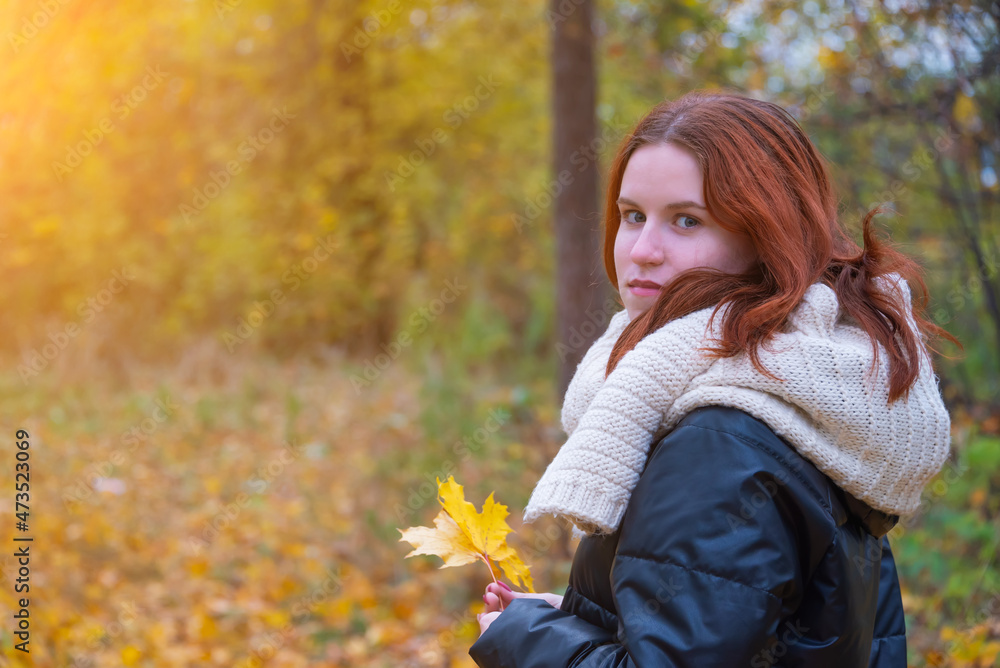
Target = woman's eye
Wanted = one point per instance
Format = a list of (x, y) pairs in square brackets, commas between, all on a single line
[(686, 222), (639, 217)]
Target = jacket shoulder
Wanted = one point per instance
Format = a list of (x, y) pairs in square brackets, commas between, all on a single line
[(743, 445), (755, 434), (724, 496)]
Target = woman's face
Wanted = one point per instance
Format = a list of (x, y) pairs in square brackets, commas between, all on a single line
[(665, 228)]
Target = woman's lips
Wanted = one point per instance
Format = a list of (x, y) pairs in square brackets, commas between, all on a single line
[(643, 288)]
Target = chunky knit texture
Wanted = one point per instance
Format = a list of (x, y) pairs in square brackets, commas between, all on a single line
[(830, 405)]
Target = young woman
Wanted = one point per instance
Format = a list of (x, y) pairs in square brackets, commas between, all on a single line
[(749, 427)]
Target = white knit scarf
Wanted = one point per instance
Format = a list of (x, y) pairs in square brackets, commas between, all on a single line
[(827, 405)]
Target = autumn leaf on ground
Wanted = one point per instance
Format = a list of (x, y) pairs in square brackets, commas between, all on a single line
[(464, 535)]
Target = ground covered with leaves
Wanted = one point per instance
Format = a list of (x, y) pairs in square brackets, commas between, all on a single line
[(226, 513)]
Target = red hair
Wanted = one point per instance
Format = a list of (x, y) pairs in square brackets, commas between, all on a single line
[(764, 178)]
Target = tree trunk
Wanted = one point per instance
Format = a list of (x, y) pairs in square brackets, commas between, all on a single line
[(355, 126), (577, 221)]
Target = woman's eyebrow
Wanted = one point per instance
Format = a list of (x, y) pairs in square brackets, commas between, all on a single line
[(686, 204)]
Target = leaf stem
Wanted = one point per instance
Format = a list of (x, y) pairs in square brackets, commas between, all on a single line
[(486, 560)]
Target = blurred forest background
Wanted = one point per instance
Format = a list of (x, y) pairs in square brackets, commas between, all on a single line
[(271, 268)]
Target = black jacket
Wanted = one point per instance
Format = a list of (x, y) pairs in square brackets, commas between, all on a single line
[(734, 551)]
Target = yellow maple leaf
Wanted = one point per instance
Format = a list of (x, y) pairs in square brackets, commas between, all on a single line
[(464, 535), (487, 531), (446, 541)]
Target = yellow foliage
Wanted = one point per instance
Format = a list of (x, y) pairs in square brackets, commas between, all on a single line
[(131, 655), (830, 60), (965, 111), (464, 535)]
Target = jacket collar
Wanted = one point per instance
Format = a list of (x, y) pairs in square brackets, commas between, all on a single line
[(876, 522)]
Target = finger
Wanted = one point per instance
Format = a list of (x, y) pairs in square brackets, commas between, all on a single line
[(505, 595), (492, 602), (500, 589), (485, 619)]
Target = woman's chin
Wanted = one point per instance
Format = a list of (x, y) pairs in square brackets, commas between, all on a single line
[(637, 306)]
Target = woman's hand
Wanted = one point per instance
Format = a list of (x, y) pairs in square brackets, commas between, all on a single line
[(497, 593)]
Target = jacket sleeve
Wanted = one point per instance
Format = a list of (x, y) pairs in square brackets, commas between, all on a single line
[(530, 633), (708, 563), (889, 639)]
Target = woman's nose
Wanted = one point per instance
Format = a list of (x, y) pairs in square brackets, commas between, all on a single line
[(648, 247)]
